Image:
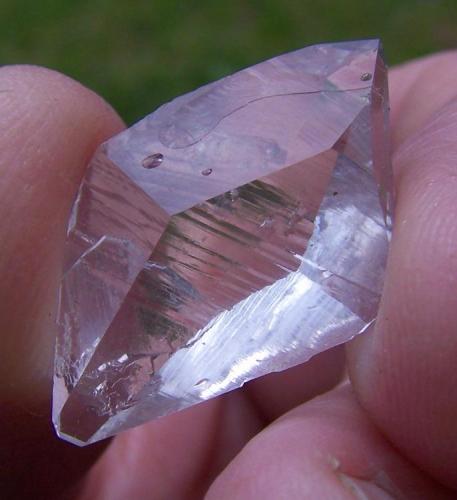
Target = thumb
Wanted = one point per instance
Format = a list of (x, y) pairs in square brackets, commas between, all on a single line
[(49, 128)]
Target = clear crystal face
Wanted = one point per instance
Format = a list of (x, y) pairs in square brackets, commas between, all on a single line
[(237, 230)]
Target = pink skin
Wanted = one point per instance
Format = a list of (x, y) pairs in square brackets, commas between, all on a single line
[(391, 433)]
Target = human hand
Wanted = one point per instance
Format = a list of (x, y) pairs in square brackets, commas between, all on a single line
[(391, 432)]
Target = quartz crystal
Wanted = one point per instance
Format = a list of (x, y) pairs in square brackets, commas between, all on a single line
[(235, 231)]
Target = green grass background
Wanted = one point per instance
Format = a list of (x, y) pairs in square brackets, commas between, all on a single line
[(141, 53)]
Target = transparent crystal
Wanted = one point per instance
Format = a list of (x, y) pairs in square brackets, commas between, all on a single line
[(237, 230)]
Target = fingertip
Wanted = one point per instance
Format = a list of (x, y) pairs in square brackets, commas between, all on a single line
[(28, 84), (404, 371), (418, 89), (50, 126)]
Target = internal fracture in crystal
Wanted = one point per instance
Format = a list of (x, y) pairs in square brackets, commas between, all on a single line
[(237, 230)]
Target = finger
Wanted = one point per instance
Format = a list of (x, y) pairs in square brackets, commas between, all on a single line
[(49, 128), (176, 457), (405, 371), (326, 448)]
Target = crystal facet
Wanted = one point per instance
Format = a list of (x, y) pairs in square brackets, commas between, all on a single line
[(237, 230)]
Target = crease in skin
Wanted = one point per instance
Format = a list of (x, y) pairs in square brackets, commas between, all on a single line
[(257, 99), (379, 487)]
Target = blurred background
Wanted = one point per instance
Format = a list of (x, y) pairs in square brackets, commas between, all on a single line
[(141, 53)]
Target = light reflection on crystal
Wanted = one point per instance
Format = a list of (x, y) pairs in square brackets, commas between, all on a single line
[(261, 243)]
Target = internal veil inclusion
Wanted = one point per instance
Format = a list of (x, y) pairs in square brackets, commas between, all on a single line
[(235, 231)]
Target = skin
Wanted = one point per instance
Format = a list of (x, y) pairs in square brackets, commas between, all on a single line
[(391, 432)]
